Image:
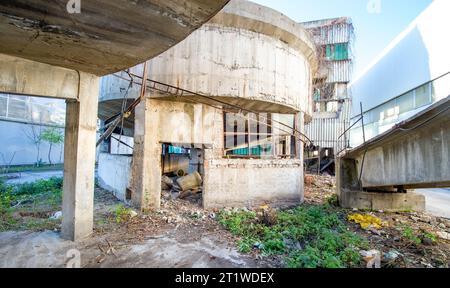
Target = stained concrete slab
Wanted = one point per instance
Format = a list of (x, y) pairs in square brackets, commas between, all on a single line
[(105, 37), (48, 250)]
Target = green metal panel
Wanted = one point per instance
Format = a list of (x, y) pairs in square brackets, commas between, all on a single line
[(337, 52)]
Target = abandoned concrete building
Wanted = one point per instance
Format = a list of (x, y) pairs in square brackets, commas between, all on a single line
[(220, 99), (64, 57), (229, 103), (332, 100)]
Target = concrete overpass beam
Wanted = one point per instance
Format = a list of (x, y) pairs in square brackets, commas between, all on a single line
[(20, 76), (414, 154), (351, 195)]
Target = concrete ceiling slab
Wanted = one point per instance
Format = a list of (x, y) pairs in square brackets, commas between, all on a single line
[(106, 37)]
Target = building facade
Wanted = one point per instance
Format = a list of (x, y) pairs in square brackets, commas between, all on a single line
[(330, 118), (23, 120), (233, 98), (411, 74)]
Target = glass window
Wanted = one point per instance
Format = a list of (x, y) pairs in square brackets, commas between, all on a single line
[(441, 88), (258, 135), (3, 103), (406, 102), (423, 96)]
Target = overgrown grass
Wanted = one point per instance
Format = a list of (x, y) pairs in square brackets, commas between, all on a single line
[(307, 237), (29, 206), (31, 168)]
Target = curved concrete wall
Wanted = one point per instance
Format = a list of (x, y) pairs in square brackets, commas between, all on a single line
[(104, 36), (247, 54)]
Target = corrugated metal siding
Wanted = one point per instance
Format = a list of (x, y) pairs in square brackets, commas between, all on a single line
[(340, 33), (324, 132), (339, 71), (331, 33)]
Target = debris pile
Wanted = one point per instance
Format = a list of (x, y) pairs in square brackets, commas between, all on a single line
[(267, 215), (185, 187), (318, 189)]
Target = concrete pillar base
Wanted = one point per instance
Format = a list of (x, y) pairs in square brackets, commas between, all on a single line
[(392, 202)]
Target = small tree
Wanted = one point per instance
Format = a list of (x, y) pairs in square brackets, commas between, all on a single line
[(34, 134), (7, 162), (53, 136)]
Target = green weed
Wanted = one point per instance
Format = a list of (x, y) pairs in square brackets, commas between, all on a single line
[(307, 237)]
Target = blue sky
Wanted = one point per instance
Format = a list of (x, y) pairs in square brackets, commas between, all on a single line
[(374, 31)]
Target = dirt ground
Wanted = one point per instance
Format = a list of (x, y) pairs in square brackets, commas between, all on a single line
[(182, 234), (398, 241)]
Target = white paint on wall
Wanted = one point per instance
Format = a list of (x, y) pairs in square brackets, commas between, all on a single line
[(419, 54), (114, 173)]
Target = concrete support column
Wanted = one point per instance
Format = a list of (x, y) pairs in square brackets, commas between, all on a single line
[(146, 167), (79, 160), (299, 124)]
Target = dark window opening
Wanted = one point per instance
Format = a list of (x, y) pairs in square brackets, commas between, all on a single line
[(260, 135)]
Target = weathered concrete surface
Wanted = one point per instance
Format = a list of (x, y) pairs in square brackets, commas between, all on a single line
[(33, 250), (146, 170), (414, 158), (107, 36), (384, 201), (114, 172), (159, 122), (414, 154), (48, 250), (247, 55), (251, 183), (79, 160), (20, 76)]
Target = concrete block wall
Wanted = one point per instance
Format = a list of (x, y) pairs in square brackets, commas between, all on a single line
[(114, 173), (252, 183)]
